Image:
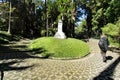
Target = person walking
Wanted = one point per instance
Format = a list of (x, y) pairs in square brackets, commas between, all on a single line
[(103, 45)]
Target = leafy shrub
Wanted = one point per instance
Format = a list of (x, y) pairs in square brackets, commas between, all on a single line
[(111, 29), (113, 32)]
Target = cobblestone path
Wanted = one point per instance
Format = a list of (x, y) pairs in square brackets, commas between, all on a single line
[(30, 67)]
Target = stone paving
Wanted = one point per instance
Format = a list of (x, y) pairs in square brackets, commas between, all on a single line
[(29, 67)]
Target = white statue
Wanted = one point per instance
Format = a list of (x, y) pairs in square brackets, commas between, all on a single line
[(60, 34)]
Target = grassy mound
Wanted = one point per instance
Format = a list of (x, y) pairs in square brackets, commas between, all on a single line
[(60, 48)]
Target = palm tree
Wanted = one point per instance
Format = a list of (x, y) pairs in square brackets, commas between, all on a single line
[(67, 13)]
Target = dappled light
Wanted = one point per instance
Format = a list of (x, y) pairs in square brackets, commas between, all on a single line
[(59, 39)]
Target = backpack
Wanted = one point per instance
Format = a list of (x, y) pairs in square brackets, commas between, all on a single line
[(102, 45)]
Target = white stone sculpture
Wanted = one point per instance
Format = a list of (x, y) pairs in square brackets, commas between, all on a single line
[(60, 34)]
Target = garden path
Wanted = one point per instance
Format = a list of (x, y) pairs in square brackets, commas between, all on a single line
[(17, 64)]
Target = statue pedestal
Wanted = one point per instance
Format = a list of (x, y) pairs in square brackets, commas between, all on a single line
[(60, 34)]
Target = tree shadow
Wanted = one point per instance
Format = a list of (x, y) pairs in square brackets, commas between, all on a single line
[(18, 52), (108, 72), (7, 66)]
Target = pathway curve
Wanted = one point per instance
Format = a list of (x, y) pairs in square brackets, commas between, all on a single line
[(29, 67)]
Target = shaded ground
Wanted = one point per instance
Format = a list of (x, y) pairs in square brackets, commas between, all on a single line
[(18, 63)]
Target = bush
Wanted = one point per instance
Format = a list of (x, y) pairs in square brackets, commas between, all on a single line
[(60, 48), (113, 32)]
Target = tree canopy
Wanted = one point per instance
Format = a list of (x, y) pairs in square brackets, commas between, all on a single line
[(35, 18)]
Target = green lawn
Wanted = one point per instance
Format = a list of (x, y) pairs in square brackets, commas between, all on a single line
[(60, 48)]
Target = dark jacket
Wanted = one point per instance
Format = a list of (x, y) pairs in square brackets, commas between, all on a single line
[(103, 44)]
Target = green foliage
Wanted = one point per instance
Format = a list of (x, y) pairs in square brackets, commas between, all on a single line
[(98, 13), (111, 29), (113, 32), (66, 9), (96, 17), (113, 11), (43, 32), (81, 30), (114, 41), (4, 11), (28, 17), (51, 32), (60, 48)]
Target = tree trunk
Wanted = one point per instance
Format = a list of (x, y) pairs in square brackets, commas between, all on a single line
[(9, 27), (89, 21), (46, 18)]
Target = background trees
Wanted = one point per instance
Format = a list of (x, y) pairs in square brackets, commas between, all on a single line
[(35, 18), (4, 16)]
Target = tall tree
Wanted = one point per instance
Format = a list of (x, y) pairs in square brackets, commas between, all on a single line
[(9, 30), (67, 14), (113, 11), (46, 12), (4, 18)]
